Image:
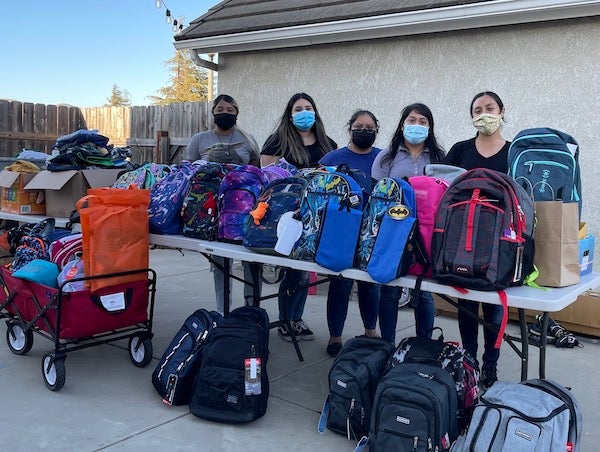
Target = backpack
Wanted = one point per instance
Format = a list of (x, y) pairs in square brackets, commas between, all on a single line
[(483, 233), (64, 249), (143, 177), (280, 196), (175, 372), (199, 213), (232, 384), (575, 412), (166, 200), (414, 410), (454, 359), (517, 417), (353, 379), (330, 212), (428, 194), (275, 172), (33, 244), (546, 163), (390, 228), (238, 193)]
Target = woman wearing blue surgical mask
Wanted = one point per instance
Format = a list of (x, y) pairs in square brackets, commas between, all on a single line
[(300, 138), (412, 147)]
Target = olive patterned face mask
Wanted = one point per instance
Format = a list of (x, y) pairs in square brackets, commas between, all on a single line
[(487, 123)]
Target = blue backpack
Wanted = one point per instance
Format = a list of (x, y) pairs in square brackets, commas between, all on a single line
[(546, 163), (280, 196), (389, 230), (331, 212), (166, 200)]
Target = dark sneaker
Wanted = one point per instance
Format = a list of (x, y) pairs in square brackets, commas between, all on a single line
[(334, 349), (535, 334), (284, 333), (489, 376), (303, 331)]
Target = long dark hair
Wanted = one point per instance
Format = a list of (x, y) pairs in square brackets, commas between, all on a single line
[(492, 94), (287, 138), (436, 153)]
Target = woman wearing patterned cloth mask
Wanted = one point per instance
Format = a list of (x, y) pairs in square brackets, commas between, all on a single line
[(488, 149), (300, 138), (413, 146)]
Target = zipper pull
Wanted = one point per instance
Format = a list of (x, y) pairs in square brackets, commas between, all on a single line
[(415, 443), (429, 444)]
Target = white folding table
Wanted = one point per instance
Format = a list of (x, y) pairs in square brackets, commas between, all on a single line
[(522, 297)]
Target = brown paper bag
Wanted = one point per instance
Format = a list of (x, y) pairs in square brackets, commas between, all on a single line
[(557, 243)]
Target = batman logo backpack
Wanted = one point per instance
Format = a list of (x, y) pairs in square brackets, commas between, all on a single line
[(387, 230)]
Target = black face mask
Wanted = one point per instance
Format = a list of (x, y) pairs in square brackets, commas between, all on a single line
[(225, 121), (363, 139)]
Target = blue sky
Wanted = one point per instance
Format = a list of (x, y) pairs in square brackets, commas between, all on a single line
[(74, 51)]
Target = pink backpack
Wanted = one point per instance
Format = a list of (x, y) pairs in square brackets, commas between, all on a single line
[(428, 193), (64, 249)]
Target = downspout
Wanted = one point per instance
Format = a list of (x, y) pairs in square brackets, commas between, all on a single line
[(210, 65)]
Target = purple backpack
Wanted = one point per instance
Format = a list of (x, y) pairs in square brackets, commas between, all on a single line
[(238, 194)]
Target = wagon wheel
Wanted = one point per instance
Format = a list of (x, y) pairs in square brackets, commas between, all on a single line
[(140, 350), (53, 371), (19, 341)]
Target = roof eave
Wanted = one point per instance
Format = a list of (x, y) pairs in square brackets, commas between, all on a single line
[(478, 15)]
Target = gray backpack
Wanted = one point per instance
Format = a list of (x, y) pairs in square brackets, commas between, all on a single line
[(523, 417)]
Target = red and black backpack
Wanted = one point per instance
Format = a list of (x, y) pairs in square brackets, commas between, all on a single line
[(483, 233)]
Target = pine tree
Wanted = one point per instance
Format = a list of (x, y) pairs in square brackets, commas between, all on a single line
[(118, 98), (188, 82)]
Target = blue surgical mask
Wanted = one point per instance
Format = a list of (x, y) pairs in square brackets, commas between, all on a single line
[(303, 120), (415, 134)]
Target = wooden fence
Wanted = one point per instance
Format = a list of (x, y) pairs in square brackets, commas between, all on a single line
[(154, 133)]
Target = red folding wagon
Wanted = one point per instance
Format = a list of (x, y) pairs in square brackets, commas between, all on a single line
[(77, 320)]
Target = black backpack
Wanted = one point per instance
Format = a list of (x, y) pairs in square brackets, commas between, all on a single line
[(232, 384), (174, 374), (353, 379), (546, 163), (414, 410), (449, 356)]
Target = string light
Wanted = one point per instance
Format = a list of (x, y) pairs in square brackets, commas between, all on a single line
[(169, 18)]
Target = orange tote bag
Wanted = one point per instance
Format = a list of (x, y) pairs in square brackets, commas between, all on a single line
[(114, 226)]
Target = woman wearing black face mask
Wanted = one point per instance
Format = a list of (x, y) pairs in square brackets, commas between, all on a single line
[(359, 154), (227, 143)]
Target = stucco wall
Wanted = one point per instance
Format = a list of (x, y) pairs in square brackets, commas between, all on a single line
[(547, 75)]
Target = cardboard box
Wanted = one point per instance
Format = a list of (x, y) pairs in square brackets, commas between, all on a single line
[(586, 254), (64, 188), (16, 199)]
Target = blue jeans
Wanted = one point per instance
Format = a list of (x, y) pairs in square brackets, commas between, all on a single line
[(338, 297), (469, 329), (295, 299), (388, 313)]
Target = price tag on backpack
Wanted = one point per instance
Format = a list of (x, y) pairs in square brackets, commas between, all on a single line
[(252, 376)]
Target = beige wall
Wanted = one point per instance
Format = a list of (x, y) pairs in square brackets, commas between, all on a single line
[(547, 75)]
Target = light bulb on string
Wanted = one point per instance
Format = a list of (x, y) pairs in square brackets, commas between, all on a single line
[(168, 16), (158, 3), (175, 26)]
